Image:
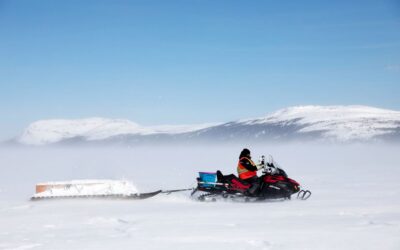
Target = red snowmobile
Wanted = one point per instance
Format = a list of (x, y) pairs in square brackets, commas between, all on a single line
[(274, 183)]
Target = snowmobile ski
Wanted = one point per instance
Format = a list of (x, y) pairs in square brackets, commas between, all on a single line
[(303, 194)]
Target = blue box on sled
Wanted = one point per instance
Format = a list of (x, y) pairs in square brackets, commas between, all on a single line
[(208, 178)]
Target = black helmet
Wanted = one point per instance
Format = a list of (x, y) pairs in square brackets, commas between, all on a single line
[(245, 153)]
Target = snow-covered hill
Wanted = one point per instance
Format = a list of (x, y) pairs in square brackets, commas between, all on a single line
[(332, 123), (93, 129)]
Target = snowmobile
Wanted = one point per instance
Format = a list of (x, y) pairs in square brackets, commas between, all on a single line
[(273, 184)]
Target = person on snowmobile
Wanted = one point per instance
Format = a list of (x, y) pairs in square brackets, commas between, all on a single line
[(247, 170)]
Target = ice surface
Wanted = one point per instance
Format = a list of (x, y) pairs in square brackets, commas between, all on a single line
[(355, 202)]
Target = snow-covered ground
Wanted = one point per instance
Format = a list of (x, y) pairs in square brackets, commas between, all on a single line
[(355, 202)]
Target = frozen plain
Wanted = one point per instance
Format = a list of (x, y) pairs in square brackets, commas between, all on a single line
[(355, 202)]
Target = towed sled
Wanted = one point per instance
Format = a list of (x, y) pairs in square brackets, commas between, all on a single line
[(93, 189), (273, 184)]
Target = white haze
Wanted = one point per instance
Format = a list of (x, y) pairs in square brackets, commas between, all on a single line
[(355, 202)]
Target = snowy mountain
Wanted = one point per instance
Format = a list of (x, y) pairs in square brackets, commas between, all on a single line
[(332, 123), (94, 129), (326, 123)]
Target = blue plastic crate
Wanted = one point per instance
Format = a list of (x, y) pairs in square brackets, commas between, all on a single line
[(208, 178)]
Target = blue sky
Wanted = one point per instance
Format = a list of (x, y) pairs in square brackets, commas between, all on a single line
[(193, 61)]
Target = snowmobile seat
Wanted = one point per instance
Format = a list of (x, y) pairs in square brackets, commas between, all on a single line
[(228, 178), (235, 182)]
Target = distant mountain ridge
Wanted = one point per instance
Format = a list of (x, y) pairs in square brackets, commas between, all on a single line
[(311, 123)]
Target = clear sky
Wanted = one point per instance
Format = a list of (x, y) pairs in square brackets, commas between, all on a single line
[(193, 61)]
